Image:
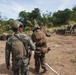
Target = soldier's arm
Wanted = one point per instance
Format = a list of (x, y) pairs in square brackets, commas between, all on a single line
[(27, 40), (7, 53), (33, 38), (31, 44)]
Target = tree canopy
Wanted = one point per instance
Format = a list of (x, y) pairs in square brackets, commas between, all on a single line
[(49, 19)]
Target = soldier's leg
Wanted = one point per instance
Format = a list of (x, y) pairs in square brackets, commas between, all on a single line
[(24, 70), (37, 63), (16, 72), (42, 59), (15, 68)]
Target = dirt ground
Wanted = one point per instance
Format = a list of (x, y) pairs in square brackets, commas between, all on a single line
[(61, 58)]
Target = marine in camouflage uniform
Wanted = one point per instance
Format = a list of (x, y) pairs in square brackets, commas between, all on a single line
[(39, 56), (26, 41)]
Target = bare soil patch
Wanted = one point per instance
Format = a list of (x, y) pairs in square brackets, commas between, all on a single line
[(61, 58)]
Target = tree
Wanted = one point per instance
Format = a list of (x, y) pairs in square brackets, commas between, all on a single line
[(73, 14), (74, 8), (23, 15), (61, 17), (10, 21), (35, 14), (0, 16)]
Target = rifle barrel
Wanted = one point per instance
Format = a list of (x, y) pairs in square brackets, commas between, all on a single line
[(52, 69)]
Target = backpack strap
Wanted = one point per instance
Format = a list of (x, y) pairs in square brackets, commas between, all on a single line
[(26, 47)]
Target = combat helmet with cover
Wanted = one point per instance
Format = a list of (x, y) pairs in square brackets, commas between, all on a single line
[(36, 27), (16, 24)]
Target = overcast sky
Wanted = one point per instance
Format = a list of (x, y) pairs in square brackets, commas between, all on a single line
[(11, 8)]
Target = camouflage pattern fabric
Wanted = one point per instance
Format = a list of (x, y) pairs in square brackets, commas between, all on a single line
[(18, 64), (39, 59), (39, 37), (39, 56)]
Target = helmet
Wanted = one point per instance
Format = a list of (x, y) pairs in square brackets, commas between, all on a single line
[(16, 24), (36, 27)]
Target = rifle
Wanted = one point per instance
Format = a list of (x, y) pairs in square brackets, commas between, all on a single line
[(52, 69)]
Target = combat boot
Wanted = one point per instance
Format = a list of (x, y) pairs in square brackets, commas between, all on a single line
[(37, 71), (44, 71)]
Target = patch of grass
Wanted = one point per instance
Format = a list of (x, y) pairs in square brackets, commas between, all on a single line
[(73, 61)]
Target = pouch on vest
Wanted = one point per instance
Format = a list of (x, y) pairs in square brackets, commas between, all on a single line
[(45, 49), (38, 51), (25, 61)]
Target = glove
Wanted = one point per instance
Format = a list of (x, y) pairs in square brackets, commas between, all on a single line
[(49, 49), (30, 53), (8, 67)]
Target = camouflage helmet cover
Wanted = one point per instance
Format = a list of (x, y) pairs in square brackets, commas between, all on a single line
[(36, 27), (16, 24)]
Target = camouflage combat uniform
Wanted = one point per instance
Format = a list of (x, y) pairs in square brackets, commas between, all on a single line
[(39, 56), (39, 59), (26, 41)]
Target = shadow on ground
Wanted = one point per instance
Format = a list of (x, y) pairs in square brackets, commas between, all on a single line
[(3, 70)]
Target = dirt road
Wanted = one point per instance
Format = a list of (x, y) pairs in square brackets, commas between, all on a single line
[(61, 58)]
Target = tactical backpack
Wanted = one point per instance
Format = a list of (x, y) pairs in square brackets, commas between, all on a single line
[(39, 37), (19, 51), (17, 47)]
